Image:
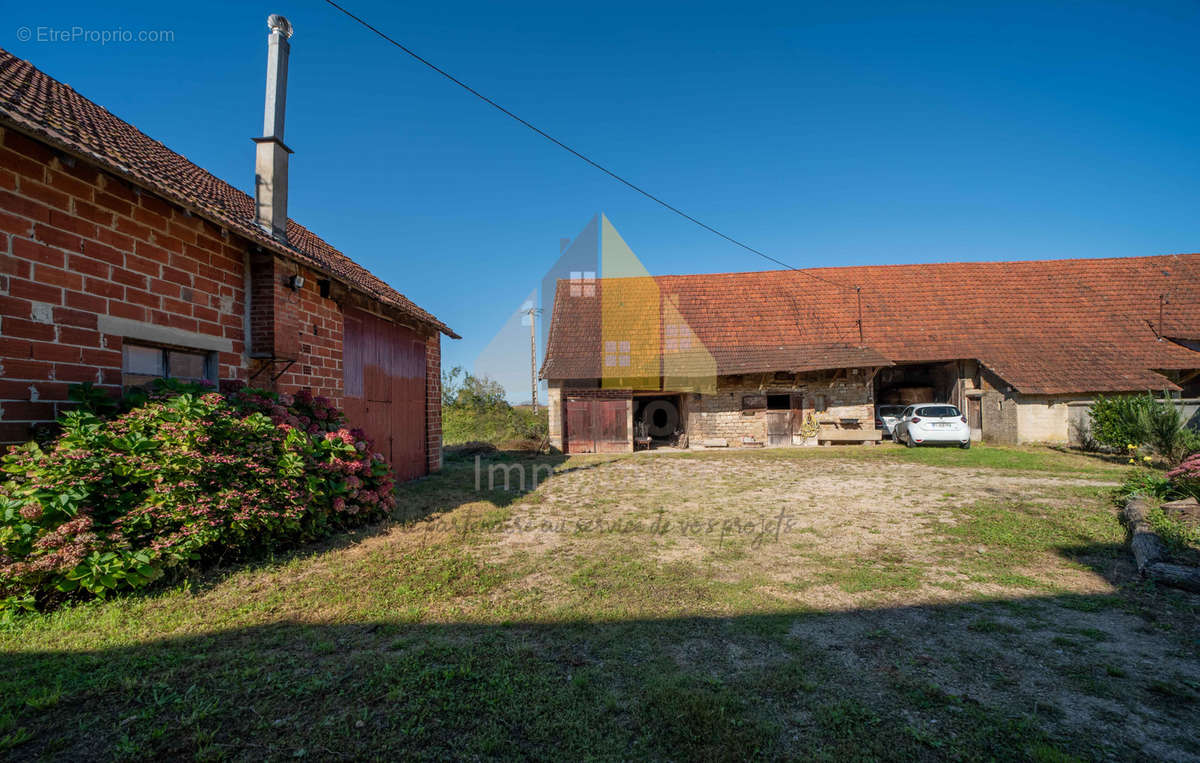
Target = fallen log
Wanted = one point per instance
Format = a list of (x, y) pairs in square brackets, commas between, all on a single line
[(1187, 578), (1147, 547), (1149, 550)]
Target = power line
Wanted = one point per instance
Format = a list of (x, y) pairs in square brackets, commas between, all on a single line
[(572, 151)]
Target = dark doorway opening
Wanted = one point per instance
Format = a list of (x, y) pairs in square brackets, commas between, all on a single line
[(658, 420), (916, 384)]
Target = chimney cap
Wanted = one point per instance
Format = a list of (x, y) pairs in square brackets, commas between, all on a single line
[(278, 23)]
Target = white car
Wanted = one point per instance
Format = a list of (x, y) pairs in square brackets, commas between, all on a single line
[(932, 423), (886, 418)]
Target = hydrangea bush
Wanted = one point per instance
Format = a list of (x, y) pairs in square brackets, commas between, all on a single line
[(113, 503), (344, 467), (1185, 478)]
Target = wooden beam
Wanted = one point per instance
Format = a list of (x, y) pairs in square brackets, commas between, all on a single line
[(1184, 378), (1149, 550)]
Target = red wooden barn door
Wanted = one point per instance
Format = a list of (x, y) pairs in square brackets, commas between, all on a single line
[(596, 426), (580, 436), (613, 434), (384, 369)]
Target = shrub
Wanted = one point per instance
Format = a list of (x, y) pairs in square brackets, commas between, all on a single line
[(1149, 483), (1185, 478), (342, 465), (1190, 444), (113, 504), (1179, 536), (1164, 428), (1137, 420), (1118, 422), (474, 409)]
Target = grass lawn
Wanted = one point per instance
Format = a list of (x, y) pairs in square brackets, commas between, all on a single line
[(809, 603)]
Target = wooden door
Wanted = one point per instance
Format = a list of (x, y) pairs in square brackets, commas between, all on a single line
[(579, 435), (974, 414), (779, 427), (383, 365), (612, 432), (596, 426)]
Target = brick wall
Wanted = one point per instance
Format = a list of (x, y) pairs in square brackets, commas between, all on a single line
[(302, 326), (76, 244), (433, 402)]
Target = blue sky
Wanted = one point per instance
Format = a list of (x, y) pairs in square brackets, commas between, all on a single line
[(874, 133)]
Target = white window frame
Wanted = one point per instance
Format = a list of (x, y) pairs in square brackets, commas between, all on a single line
[(210, 373)]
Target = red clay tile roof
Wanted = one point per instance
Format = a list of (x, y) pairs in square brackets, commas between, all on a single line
[(35, 103), (1046, 327)]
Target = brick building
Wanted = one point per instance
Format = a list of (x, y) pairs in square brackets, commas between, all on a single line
[(750, 358), (121, 261)]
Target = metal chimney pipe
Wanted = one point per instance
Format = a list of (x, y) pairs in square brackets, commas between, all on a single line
[(271, 160)]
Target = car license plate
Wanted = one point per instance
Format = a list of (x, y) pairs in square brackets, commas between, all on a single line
[(941, 425)]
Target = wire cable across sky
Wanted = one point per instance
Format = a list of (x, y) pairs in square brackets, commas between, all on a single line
[(572, 151)]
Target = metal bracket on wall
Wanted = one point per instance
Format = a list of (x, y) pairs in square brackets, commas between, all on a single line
[(270, 363)]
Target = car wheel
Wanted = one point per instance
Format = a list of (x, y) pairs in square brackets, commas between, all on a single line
[(908, 440), (966, 445)]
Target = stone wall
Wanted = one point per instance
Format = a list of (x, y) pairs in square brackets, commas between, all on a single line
[(719, 415), (1044, 418), (555, 413), (998, 407)]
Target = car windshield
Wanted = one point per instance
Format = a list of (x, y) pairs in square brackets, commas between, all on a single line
[(891, 410), (939, 412)]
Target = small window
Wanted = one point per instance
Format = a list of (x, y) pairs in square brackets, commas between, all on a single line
[(583, 283), (779, 402), (938, 412), (677, 338), (142, 364), (616, 354)]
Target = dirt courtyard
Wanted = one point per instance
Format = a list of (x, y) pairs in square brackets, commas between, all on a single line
[(818, 604), (798, 529), (1004, 587)]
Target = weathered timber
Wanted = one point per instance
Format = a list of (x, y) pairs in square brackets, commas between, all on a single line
[(1149, 551)]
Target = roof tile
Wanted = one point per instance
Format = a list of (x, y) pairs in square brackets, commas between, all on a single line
[(1046, 327), (34, 102)]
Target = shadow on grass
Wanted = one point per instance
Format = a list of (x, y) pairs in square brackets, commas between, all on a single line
[(1030, 678), (978, 680)]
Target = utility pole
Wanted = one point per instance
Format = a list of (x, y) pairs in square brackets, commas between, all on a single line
[(532, 312)]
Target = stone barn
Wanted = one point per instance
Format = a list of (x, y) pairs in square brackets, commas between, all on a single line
[(804, 356)]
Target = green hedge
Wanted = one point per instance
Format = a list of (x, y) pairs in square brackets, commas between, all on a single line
[(1129, 422)]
